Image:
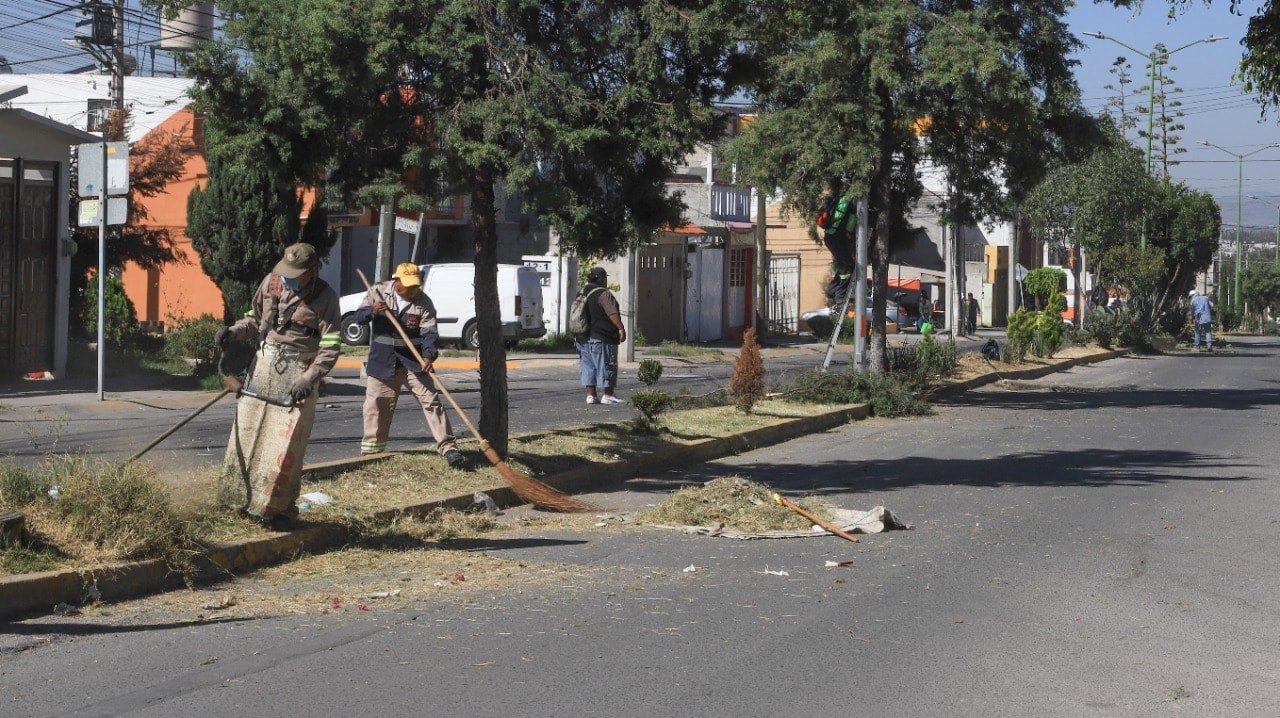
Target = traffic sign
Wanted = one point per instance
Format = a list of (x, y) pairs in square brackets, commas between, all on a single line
[(91, 156)]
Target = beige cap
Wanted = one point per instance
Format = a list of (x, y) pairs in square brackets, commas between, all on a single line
[(297, 259), (408, 274)]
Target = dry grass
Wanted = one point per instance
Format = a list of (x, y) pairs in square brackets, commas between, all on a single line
[(102, 513), (969, 366), (403, 480), (733, 502), (428, 559)]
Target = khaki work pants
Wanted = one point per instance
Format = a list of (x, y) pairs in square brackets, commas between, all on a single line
[(380, 397)]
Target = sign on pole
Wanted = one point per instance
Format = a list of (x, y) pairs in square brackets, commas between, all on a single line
[(103, 181)]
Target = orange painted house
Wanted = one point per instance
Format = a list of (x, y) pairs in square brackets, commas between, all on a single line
[(180, 290)]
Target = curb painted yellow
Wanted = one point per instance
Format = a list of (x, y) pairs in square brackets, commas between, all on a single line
[(40, 592)]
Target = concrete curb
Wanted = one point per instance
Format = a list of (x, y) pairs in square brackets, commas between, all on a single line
[(42, 591)]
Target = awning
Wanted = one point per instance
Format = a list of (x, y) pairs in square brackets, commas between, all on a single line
[(740, 226), (910, 285), (686, 228)]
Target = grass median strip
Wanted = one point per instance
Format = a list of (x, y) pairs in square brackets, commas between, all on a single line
[(83, 513)]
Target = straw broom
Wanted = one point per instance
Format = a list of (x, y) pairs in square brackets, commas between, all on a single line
[(527, 488)]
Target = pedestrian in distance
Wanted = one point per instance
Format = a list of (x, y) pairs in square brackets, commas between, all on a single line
[(598, 347), (294, 319), (391, 364), (971, 313), (1202, 320)]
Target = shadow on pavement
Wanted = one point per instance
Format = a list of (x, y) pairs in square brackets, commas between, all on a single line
[(1082, 468), (1067, 398)]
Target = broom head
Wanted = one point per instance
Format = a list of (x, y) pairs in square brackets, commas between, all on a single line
[(547, 498)]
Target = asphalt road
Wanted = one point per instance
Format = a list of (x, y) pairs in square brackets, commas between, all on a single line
[(1098, 542)]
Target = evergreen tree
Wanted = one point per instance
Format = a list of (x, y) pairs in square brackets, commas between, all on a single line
[(854, 96), (581, 108), (240, 223)]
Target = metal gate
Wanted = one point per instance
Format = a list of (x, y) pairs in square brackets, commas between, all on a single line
[(784, 293), (660, 292)]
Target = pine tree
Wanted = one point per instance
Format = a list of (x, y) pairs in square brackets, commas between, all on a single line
[(240, 223)]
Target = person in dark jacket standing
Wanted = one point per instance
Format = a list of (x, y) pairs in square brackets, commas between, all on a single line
[(598, 349), (391, 363)]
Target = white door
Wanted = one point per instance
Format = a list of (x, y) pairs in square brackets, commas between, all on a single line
[(784, 293), (710, 278)]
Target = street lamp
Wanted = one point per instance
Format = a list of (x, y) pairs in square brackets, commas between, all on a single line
[(1156, 56), (1277, 206), (1235, 293)]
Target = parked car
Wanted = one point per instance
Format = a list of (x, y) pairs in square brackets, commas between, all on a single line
[(820, 323), (452, 290)]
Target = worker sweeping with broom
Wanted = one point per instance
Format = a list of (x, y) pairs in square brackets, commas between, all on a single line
[(294, 317), (392, 364)]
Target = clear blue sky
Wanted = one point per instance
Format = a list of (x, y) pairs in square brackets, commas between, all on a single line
[(1216, 109)]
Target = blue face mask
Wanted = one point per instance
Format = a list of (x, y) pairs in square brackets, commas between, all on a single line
[(295, 284)]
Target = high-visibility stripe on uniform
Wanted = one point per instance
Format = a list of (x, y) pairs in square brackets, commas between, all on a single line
[(331, 340), (378, 446)]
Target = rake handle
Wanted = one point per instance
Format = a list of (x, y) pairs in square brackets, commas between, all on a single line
[(484, 445)]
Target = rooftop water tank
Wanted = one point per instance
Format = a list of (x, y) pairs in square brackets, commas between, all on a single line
[(193, 25)]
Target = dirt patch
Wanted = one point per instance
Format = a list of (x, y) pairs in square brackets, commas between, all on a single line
[(411, 561)]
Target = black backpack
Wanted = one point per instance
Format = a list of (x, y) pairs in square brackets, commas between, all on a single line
[(991, 350)]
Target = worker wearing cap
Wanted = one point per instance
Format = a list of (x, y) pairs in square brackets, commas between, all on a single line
[(1202, 319), (391, 363), (295, 319), (598, 348)]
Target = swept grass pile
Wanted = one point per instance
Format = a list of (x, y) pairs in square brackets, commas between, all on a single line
[(736, 503)]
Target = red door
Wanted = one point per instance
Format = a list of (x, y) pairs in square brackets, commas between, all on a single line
[(739, 303)]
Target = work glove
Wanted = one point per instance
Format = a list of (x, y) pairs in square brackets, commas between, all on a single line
[(220, 339), (301, 389)]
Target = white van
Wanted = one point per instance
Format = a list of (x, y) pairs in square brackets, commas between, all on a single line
[(452, 289)]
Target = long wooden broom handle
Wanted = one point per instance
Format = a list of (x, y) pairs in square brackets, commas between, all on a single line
[(484, 445), (814, 518)]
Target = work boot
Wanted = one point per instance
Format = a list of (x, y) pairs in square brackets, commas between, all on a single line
[(455, 459)]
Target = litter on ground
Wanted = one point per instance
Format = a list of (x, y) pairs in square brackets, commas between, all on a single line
[(736, 508)]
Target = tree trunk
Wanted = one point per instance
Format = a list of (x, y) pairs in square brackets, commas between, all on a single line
[(882, 200), (493, 355)]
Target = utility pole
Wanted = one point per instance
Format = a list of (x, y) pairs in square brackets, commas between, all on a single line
[(117, 68)]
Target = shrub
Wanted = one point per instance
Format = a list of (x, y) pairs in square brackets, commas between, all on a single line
[(1050, 333), (1101, 328), (746, 386), (650, 403), (121, 318), (193, 339), (887, 395), (1044, 284), (649, 372), (1020, 335), (19, 487), (934, 358)]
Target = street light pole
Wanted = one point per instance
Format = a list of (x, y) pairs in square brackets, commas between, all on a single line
[(1235, 293), (1277, 206), (1156, 55)]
